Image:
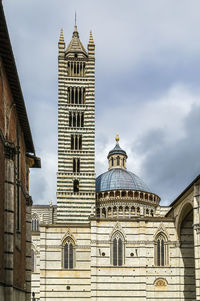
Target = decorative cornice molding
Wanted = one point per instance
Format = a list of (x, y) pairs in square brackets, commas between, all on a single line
[(10, 149), (29, 201)]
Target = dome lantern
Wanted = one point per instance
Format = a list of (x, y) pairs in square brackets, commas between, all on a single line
[(117, 156)]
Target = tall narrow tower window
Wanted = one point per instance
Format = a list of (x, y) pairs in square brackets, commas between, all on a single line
[(76, 165), (76, 95), (76, 186), (82, 120), (70, 119), (76, 119), (76, 68), (76, 142)]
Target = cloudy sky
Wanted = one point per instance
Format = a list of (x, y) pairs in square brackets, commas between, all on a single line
[(147, 84)]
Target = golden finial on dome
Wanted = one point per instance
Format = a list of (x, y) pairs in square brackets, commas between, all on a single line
[(117, 138)]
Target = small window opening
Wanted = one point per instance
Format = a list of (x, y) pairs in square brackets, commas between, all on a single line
[(76, 186)]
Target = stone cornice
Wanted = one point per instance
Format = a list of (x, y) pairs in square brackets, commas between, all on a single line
[(134, 219), (10, 149)]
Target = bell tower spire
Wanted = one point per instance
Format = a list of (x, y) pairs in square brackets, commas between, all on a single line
[(76, 130)]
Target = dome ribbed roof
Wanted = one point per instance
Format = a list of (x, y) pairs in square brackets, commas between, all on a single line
[(119, 178), (117, 150)]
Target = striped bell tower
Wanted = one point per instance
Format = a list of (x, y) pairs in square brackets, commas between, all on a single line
[(76, 130)]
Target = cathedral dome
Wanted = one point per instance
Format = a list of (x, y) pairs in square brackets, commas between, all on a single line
[(121, 179), (120, 193)]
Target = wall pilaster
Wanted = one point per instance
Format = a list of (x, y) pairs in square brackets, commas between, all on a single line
[(28, 247), (197, 237), (9, 220)]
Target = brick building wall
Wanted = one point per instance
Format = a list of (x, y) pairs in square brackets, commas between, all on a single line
[(17, 155)]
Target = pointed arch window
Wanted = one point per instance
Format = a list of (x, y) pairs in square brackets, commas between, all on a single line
[(35, 223), (117, 249), (68, 254), (161, 250)]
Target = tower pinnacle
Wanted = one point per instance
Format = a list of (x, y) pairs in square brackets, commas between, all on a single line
[(91, 41), (61, 39)]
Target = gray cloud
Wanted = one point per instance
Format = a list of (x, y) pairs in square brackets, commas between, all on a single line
[(147, 83), (169, 167)]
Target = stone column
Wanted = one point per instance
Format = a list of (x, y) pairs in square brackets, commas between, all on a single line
[(197, 237), (70, 95), (78, 96), (9, 198)]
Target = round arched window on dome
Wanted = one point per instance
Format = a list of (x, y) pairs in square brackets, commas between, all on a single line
[(132, 210), (126, 211), (109, 212), (104, 212), (98, 212), (112, 194), (114, 211), (123, 193), (120, 211), (130, 194), (117, 193)]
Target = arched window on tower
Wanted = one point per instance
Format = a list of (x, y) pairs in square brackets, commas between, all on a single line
[(118, 160), (68, 254), (117, 249), (161, 250), (76, 186)]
